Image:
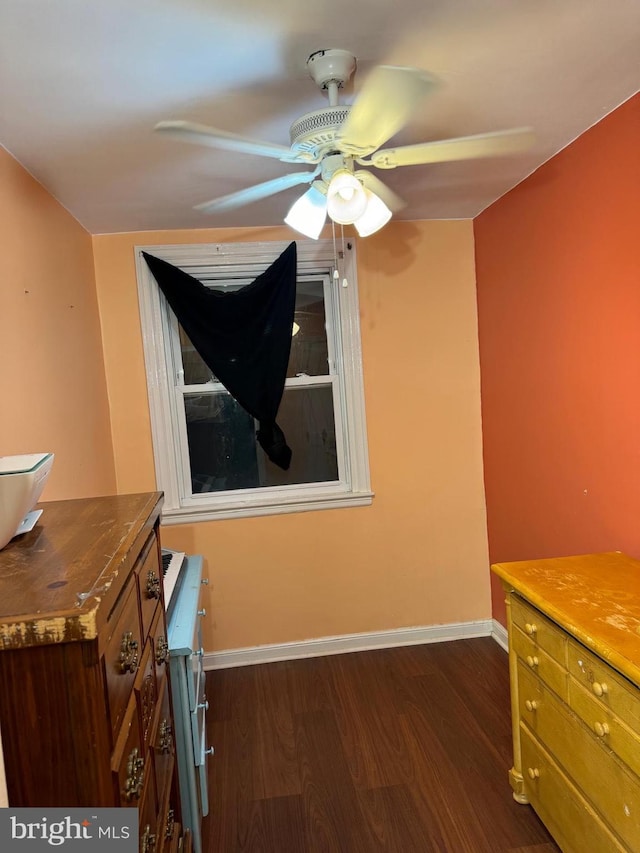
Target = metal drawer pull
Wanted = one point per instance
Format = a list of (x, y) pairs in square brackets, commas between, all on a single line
[(171, 825), (135, 775), (532, 661), (531, 705), (198, 653), (165, 737), (531, 628), (601, 729), (202, 612), (210, 751), (204, 705), (599, 689), (153, 585), (128, 653), (162, 651), (148, 841), (534, 773), (205, 581)]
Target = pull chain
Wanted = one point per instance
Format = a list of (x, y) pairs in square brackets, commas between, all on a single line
[(345, 283)]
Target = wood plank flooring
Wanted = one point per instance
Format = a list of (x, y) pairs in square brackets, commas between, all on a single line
[(400, 750)]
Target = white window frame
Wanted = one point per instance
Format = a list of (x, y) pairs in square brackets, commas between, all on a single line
[(315, 258)]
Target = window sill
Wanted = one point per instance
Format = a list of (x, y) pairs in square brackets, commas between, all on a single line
[(191, 515)]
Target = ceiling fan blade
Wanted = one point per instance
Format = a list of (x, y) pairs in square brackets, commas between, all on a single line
[(200, 134), (256, 192), (461, 148), (373, 183), (386, 102)]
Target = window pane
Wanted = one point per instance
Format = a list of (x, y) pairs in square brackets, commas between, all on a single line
[(224, 454), (222, 445), (195, 370), (308, 346), (307, 420)]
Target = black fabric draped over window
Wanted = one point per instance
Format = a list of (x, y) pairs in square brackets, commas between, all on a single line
[(244, 337)]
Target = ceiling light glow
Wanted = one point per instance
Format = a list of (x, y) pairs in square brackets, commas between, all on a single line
[(308, 214), (348, 202), (346, 198), (376, 215)]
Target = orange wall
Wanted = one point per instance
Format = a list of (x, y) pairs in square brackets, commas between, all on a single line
[(558, 274), (418, 556), (52, 382)]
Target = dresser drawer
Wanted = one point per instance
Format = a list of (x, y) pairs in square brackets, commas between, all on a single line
[(168, 828), (160, 649), (148, 575), (148, 826), (546, 667), (608, 785), (605, 725), (614, 691), (127, 762), (145, 691), (163, 744), (542, 631), (122, 654), (560, 804)]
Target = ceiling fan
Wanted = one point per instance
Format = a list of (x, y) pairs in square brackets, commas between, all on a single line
[(338, 138)]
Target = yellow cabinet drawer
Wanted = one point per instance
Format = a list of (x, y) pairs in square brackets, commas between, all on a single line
[(613, 690), (542, 631), (546, 667), (605, 725), (559, 804), (611, 788)]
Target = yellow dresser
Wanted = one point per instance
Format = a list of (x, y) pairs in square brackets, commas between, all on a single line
[(574, 660)]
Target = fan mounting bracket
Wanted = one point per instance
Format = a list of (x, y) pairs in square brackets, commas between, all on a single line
[(331, 66)]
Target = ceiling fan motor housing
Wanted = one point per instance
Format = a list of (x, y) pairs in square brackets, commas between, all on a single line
[(331, 66), (313, 134)]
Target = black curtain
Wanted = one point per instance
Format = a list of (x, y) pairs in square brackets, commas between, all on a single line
[(244, 337)]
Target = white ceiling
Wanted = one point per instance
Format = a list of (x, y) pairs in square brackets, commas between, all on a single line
[(82, 85)]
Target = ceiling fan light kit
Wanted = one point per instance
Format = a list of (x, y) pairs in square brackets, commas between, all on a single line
[(336, 137), (346, 199), (375, 216), (308, 214)]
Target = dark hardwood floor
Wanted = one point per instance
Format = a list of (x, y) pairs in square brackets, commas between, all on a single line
[(403, 750)]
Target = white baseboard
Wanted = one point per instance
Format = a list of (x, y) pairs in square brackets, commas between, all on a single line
[(499, 634), (354, 643)]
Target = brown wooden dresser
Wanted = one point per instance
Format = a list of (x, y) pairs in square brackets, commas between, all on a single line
[(574, 657), (85, 701)]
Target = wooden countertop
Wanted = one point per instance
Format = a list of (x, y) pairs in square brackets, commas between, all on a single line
[(596, 597), (54, 579)]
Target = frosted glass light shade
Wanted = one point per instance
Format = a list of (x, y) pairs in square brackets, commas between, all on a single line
[(346, 198), (307, 215), (376, 215)]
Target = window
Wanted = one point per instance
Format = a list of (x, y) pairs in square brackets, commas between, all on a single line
[(208, 462)]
